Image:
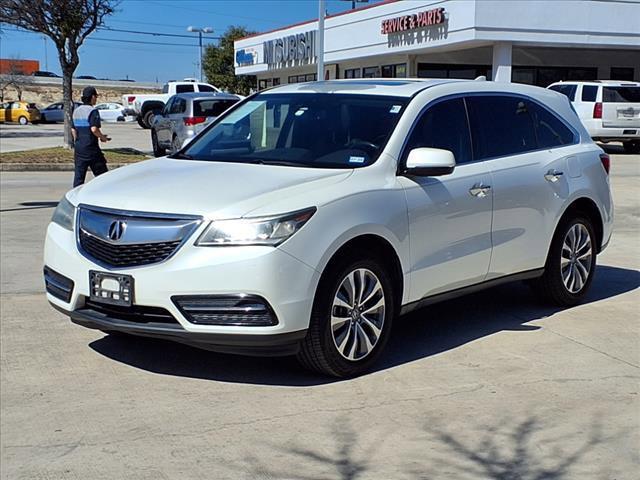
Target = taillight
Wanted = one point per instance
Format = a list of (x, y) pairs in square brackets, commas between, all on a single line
[(131, 99), (606, 162), (191, 121), (597, 110)]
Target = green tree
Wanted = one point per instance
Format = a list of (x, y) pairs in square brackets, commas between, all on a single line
[(68, 23), (218, 63)]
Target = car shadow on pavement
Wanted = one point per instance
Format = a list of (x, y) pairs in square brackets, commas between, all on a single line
[(423, 333), (31, 206)]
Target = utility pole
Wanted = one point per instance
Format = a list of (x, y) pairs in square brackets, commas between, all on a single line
[(320, 52), (200, 32), (46, 57)]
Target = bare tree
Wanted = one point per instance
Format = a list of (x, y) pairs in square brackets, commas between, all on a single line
[(15, 78), (68, 23)]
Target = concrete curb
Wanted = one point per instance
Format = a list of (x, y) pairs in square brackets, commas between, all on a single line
[(48, 167)]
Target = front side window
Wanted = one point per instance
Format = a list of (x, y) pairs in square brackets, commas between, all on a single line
[(443, 125), (298, 129), (567, 90), (501, 125)]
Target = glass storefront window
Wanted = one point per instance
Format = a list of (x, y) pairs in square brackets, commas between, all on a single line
[(394, 71), (352, 73), (370, 72)]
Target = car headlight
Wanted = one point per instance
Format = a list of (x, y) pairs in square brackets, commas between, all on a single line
[(254, 231), (64, 214)]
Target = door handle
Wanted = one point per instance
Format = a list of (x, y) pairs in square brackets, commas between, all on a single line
[(553, 175), (479, 190)]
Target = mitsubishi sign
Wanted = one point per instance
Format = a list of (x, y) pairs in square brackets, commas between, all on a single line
[(292, 49)]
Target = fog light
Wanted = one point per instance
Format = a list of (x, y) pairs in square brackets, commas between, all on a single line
[(229, 310), (58, 285)]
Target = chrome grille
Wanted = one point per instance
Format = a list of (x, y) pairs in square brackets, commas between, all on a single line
[(142, 238), (127, 255)]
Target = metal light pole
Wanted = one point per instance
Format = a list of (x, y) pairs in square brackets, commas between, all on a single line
[(200, 32), (320, 52)]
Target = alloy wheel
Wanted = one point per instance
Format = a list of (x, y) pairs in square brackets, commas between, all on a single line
[(358, 314), (575, 259)]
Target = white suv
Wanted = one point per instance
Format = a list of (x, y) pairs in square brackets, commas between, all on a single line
[(609, 109), (308, 216)]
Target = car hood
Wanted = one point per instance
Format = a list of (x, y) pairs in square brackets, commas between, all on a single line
[(211, 189)]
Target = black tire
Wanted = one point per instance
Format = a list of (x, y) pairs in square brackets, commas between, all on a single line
[(147, 119), (550, 286), (632, 146), (140, 121), (318, 350), (43, 118), (158, 151), (175, 144)]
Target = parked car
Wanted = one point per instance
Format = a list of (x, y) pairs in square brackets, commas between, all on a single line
[(148, 105), (113, 112), (307, 217), (42, 73), (21, 112), (86, 77), (609, 109), (184, 116), (55, 112)]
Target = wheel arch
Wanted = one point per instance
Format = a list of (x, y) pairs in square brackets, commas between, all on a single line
[(382, 250), (587, 207), (151, 105)]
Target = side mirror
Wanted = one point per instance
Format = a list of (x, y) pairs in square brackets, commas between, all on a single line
[(429, 162)]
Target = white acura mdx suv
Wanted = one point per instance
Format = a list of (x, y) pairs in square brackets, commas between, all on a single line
[(308, 217)]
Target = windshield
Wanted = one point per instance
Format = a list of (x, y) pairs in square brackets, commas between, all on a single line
[(302, 129)]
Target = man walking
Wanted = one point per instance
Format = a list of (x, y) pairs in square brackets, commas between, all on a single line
[(86, 133)]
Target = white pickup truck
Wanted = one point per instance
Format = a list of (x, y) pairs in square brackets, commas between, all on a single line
[(146, 106)]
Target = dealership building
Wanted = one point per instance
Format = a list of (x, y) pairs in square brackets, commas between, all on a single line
[(527, 41)]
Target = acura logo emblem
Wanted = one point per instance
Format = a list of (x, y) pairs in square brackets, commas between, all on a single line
[(116, 230)]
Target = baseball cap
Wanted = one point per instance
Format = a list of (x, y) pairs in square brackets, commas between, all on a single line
[(88, 92)]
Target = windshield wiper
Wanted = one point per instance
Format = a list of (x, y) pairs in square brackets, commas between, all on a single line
[(274, 161), (182, 156)]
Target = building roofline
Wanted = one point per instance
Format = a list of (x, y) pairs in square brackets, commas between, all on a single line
[(384, 2)]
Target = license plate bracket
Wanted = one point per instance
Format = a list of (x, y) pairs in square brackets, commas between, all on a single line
[(111, 288)]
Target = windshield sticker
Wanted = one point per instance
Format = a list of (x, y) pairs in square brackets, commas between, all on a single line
[(301, 111), (395, 109), (353, 159)]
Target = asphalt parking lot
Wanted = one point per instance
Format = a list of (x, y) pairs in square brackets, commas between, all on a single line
[(491, 386), (14, 137)]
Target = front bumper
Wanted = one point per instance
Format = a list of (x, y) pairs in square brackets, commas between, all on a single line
[(287, 284), (256, 345)]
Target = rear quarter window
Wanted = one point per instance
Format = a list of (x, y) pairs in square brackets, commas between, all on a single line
[(589, 93), (621, 94)]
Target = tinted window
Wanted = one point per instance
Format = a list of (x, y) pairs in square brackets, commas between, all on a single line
[(184, 88), (205, 88), (589, 93), (211, 108), (165, 88), (500, 126), (550, 130), (621, 94), (568, 90), (299, 129), (179, 105), (444, 125), (168, 105)]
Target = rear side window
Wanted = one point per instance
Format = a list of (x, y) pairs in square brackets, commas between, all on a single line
[(211, 108), (205, 88), (184, 88), (444, 125), (179, 105), (568, 90), (589, 93), (621, 95), (501, 125), (550, 130)]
